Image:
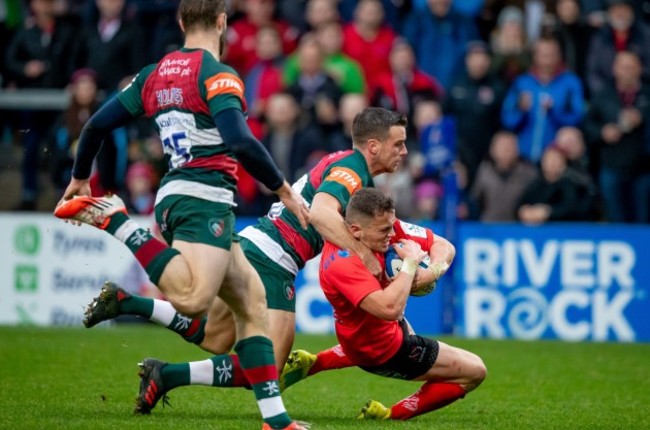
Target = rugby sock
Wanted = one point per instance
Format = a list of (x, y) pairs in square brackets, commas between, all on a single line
[(218, 371), (258, 364), (330, 359), (152, 254), (431, 396), (163, 313)]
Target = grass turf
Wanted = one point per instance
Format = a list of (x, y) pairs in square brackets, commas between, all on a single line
[(86, 379)]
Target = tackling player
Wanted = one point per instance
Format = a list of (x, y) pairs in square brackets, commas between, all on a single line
[(197, 106)]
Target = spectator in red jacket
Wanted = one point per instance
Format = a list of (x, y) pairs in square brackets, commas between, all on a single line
[(397, 87), (241, 34), (368, 40)]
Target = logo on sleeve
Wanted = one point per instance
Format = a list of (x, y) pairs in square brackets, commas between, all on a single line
[(224, 83), (346, 177), (413, 230)]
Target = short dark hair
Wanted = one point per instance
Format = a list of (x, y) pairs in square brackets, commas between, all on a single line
[(375, 123), (200, 14), (368, 203)]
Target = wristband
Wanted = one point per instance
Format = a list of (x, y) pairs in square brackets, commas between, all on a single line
[(439, 269), (409, 267)]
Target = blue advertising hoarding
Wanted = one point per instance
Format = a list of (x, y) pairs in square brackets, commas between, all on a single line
[(572, 282)]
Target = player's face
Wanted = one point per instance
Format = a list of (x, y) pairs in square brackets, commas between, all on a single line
[(376, 233), (392, 150)]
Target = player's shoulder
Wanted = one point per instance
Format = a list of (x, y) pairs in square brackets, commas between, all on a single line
[(211, 65), (409, 229), (335, 259), (145, 72), (350, 169)]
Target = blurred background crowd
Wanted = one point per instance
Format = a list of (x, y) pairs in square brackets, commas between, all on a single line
[(523, 110)]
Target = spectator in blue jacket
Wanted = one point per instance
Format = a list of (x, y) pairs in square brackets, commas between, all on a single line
[(439, 36), (542, 101)]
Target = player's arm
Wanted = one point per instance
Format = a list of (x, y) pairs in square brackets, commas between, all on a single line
[(256, 160), (325, 216), (389, 303), (441, 254), (110, 116)]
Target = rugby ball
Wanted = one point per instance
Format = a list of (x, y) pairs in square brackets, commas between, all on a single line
[(394, 264)]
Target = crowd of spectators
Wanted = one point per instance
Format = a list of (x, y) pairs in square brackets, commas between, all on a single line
[(524, 110)]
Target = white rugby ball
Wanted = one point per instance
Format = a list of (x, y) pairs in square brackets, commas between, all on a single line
[(394, 265)]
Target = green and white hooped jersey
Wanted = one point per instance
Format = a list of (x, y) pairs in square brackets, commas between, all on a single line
[(279, 234), (181, 94)]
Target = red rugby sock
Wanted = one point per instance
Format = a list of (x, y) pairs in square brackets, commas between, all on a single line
[(330, 359), (431, 396)]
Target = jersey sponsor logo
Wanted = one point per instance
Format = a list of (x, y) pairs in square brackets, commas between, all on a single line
[(413, 230), (176, 120), (172, 66), (346, 177), (224, 83), (169, 96)]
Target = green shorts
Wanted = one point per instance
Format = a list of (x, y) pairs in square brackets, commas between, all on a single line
[(196, 221), (278, 283)]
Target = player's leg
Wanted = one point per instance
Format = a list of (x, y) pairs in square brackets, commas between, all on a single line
[(244, 293), (190, 272), (453, 372)]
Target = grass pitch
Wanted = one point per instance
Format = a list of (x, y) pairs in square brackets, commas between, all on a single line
[(86, 379)]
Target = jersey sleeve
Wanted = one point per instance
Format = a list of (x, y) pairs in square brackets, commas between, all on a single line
[(131, 95), (350, 277), (220, 86), (341, 182), (421, 235)]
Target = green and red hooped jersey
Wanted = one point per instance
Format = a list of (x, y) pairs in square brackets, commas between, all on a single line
[(279, 234), (180, 95)]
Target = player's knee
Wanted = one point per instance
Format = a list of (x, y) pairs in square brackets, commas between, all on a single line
[(477, 373), (193, 307), (218, 345)]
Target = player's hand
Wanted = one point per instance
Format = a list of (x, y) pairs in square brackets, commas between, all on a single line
[(295, 203), (410, 249), (77, 187)]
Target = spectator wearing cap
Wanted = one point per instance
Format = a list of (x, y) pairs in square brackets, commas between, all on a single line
[(511, 56), (574, 35), (475, 101), (501, 180), (542, 101), (622, 32), (617, 125), (551, 196), (439, 36)]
